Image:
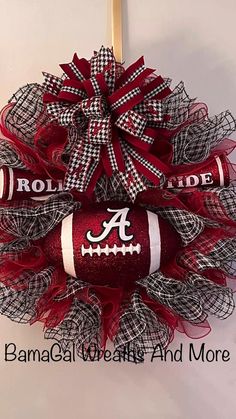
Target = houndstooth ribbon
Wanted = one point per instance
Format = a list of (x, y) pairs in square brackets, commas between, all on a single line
[(116, 113)]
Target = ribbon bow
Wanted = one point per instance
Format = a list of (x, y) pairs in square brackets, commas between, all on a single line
[(116, 113)]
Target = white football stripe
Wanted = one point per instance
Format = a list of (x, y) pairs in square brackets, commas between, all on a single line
[(221, 172), (67, 245), (11, 183), (155, 241), (1, 183)]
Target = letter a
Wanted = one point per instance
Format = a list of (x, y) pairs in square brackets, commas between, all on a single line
[(117, 221)]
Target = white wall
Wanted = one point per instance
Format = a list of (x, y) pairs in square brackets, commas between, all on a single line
[(185, 39)]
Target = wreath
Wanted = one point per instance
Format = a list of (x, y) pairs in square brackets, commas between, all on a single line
[(117, 209)]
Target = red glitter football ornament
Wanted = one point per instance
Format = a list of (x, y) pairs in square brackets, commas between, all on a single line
[(114, 246), (117, 208)]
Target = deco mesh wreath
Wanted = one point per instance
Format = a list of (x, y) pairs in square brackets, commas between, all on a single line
[(117, 207)]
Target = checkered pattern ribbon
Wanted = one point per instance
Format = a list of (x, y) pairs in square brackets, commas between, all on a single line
[(193, 299), (20, 305), (9, 157), (81, 326), (138, 328), (116, 112), (31, 222), (195, 142)]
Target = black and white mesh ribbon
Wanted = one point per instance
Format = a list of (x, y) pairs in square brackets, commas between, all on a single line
[(192, 300), (139, 328)]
